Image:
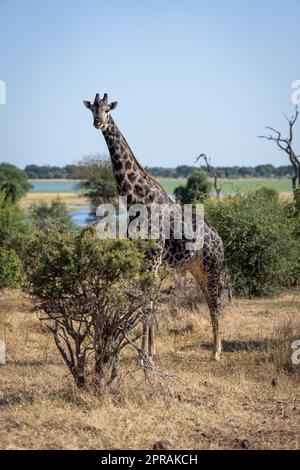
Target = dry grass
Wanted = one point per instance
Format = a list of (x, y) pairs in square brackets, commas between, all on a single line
[(285, 196), (248, 400), (70, 199), (74, 199)]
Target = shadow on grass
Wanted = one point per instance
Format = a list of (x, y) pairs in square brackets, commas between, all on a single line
[(17, 398), (32, 363), (234, 346)]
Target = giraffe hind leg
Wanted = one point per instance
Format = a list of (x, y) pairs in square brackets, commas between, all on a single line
[(212, 291), (148, 335), (214, 305), (148, 339)]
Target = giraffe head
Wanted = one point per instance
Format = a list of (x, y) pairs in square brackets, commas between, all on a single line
[(100, 109)]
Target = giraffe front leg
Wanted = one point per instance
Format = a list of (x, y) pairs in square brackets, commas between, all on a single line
[(217, 335), (145, 335), (155, 258), (151, 332), (151, 342), (214, 303)]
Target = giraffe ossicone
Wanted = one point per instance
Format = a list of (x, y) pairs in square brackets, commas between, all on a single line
[(204, 261)]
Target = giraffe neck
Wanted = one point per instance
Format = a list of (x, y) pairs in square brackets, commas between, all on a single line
[(132, 180)]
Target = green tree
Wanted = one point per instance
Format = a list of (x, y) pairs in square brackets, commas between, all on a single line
[(97, 179), (43, 214), (197, 189), (265, 171), (13, 181)]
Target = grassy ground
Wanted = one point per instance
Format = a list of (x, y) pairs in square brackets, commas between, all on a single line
[(248, 400), (169, 184), (245, 185)]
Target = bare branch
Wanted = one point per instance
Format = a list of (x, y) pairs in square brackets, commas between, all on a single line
[(286, 145), (211, 171)]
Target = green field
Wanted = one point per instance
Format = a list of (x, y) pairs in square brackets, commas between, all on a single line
[(229, 186), (169, 184), (240, 185)]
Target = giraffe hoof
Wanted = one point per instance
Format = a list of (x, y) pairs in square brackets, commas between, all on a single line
[(217, 356)]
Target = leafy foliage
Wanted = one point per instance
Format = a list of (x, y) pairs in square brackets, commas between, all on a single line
[(43, 214), (10, 269), (97, 179), (267, 194), (13, 182), (297, 200), (11, 222), (196, 190), (93, 292), (262, 252)]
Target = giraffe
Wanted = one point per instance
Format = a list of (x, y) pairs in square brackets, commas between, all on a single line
[(204, 262)]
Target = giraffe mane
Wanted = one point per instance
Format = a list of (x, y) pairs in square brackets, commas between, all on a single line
[(145, 173)]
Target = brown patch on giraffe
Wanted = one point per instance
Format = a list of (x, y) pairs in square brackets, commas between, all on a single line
[(132, 177), (197, 271), (128, 165)]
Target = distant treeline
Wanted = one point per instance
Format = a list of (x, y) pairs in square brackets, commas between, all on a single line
[(260, 171), (48, 172), (182, 171)]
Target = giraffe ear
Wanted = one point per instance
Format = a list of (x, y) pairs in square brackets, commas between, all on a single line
[(87, 104), (113, 105)]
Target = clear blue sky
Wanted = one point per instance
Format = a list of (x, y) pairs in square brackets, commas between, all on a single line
[(189, 76)]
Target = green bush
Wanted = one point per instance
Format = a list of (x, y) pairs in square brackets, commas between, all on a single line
[(11, 222), (92, 292), (262, 252), (297, 200), (10, 269), (268, 194), (196, 190), (43, 214)]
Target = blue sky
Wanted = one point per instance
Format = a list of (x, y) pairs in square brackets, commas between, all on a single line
[(189, 76)]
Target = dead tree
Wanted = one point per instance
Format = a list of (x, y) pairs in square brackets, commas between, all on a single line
[(212, 172), (286, 145)]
